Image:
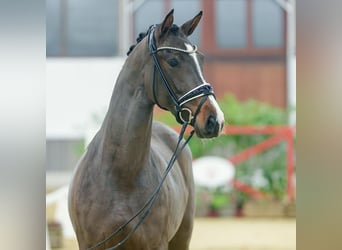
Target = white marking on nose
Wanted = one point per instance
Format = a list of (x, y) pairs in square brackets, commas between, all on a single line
[(219, 113), (189, 47)]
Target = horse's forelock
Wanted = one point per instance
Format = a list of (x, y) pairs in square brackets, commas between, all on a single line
[(174, 29)]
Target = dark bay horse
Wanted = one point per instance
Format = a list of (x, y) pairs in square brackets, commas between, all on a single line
[(125, 161)]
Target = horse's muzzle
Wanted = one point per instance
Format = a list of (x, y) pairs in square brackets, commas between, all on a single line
[(212, 127)]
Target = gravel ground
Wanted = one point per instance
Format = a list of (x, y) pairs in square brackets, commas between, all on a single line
[(237, 234)]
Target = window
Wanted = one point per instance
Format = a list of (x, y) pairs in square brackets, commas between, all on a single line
[(153, 12), (81, 28), (246, 27), (231, 23), (53, 28), (184, 11), (150, 12), (268, 21)]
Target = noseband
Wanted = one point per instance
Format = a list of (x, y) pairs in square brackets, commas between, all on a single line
[(183, 114)]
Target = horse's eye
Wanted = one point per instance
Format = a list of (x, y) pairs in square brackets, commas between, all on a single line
[(172, 62)]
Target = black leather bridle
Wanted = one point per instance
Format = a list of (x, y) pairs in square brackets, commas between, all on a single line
[(183, 114)]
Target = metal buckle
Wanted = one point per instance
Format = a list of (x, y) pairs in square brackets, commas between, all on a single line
[(183, 116)]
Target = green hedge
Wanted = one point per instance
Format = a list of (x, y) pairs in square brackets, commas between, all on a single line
[(269, 164)]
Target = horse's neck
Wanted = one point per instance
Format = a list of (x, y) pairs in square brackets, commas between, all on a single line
[(127, 127)]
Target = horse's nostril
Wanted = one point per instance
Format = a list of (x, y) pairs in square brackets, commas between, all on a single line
[(212, 126)]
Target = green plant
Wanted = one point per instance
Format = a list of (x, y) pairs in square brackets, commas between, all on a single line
[(212, 200), (271, 163), (220, 198)]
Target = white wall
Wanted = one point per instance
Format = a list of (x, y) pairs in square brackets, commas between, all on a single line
[(78, 88)]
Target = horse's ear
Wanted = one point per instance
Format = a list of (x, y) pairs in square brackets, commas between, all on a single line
[(167, 23), (189, 26)]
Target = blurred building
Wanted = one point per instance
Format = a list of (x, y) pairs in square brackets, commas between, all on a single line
[(245, 43)]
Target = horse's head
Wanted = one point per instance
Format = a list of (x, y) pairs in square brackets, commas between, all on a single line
[(177, 80)]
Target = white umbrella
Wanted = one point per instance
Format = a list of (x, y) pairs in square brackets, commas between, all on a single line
[(213, 171)]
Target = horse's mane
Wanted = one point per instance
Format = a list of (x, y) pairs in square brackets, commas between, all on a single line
[(139, 38), (174, 29)]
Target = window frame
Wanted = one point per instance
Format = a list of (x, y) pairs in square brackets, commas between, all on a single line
[(210, 44), (64, 43)]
